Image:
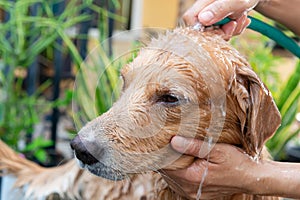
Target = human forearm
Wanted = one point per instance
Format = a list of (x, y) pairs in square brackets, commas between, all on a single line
[(285, 12), (276, 179), (231, 171)]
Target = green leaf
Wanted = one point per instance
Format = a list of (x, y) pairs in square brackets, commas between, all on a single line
[(38, 143), (41, 155), (289, 87)]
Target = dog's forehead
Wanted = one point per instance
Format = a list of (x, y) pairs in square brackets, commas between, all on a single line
[(183, 50)]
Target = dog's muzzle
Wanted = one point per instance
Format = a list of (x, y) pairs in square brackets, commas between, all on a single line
[(94, 165)]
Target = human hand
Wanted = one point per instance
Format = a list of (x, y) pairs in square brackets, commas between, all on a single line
[(228, 168), (208, 12)]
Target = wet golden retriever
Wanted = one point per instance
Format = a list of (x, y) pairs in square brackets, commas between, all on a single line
[(185, 82)]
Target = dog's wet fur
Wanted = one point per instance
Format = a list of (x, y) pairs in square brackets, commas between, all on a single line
[(171, 88)]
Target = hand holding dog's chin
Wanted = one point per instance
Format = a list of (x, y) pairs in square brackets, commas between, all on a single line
[(230, 171)]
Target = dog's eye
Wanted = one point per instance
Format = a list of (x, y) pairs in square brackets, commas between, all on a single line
[(168, 99)]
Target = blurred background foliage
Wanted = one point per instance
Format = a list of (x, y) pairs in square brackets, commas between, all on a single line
[(32, 29), (28, 28)]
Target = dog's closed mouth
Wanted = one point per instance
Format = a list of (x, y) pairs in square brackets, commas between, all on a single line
[(99, 169)]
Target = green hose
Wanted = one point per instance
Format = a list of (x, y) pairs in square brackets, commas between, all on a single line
[(271, 32)]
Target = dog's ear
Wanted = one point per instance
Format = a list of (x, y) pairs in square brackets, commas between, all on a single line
[(261, 117)]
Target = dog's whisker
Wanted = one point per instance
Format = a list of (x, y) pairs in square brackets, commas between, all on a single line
[(62, 162)]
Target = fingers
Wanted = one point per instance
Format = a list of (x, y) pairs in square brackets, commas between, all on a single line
[(188, 180), (242, 23), (242, 26), (209, 12), (191, 15), (191, 174), (214, 12), (229, 29), (218, 153), (236, 27), (186, 145), (218, 10), (190, 146)]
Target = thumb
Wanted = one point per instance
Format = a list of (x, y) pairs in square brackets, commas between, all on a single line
[(190, 146)]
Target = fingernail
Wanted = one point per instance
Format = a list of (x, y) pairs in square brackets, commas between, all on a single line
[(179, 143), (206, 16), (248, 22)]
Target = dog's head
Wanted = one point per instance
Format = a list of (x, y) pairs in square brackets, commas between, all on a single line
[(187, 83)]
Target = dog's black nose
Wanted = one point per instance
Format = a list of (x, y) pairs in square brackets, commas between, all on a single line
[(81, 151)]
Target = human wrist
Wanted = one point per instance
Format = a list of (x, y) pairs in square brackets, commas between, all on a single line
[(259, 178), (271, 8), (263, 4), (270, 178), (266, 179)]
